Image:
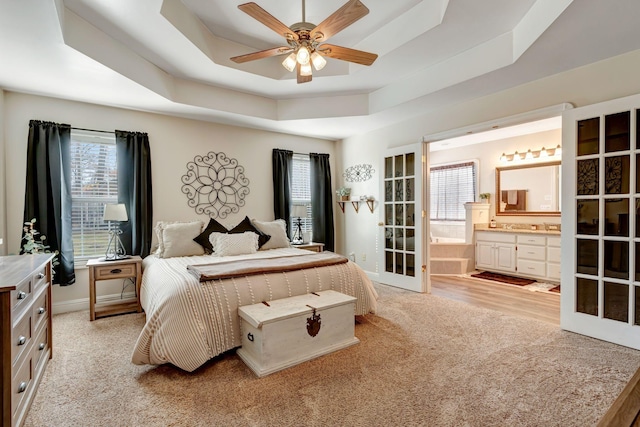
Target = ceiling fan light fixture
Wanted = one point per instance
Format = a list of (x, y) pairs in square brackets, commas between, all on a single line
[(318, 61), (303, 55), (305, 69), (290, 62)]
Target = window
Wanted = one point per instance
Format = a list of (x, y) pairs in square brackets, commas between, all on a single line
[(452, 186), (301, 188), (94, 182)]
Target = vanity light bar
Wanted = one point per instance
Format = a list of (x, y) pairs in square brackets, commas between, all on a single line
[(535, 154)]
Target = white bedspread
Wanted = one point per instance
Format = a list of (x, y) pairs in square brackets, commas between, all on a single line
[(189, 322)]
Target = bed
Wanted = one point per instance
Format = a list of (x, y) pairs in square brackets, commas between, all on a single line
[(189, 321)]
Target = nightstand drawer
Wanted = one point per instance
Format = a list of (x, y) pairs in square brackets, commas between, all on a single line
[(21, 296), (40, 348), (20, 385), (115, 271), (40, 311), (40, 279)]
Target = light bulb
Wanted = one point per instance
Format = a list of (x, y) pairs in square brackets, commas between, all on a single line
[(503, 158), (303, 55), (529, 155), (318, 61), (558, 151), (290, 62), (543, 152), (516, 156), (305, 69)]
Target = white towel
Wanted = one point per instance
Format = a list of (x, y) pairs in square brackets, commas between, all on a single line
[(512, 197)]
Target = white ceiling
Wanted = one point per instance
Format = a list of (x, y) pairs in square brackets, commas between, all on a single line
[(172, 57)]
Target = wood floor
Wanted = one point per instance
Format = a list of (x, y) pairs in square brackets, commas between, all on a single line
[(507, 299)]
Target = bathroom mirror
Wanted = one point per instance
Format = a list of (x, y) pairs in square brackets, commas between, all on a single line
[(531, 189)]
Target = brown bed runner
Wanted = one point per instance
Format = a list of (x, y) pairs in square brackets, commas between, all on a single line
[(248, 267)]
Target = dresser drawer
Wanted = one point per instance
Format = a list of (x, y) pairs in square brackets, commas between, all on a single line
[(495, 236), (20, 338), (20, 385), (536, 253), (40, 311), (553, 241), (115, 271), (554, 254), (531, 268), (40, 348), (21, 296), (528, 239), (40, 278)]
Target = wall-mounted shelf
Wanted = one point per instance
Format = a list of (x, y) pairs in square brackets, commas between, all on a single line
[(356, 204)]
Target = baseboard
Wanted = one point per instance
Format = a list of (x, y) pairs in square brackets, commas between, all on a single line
[(83, 303), (372, 276)]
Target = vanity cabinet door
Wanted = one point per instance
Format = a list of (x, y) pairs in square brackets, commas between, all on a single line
[(484, 255), (505, 254)]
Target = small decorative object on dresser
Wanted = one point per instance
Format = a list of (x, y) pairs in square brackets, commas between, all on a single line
[(119, 269), (25, 332)]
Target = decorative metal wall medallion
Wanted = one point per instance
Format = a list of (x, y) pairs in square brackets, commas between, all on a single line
[(215, 185), (358, 173)]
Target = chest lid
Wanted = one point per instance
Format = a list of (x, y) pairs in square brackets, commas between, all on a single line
[(260, 314)]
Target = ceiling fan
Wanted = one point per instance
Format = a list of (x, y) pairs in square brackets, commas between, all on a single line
[(306, 42)]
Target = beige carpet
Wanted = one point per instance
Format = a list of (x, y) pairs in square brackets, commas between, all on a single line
[(423, 360)]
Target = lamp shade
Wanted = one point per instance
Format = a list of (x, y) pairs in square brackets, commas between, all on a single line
[(115, 212), (299, 211)]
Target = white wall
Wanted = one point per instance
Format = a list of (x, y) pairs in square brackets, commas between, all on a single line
[(609, 79), (174, 142), (3, 179)]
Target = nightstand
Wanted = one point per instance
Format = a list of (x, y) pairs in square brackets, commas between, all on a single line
[(311, 246), (108, 270)]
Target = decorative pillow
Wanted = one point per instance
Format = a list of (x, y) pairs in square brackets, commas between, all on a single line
[(245, 225), (277, 230), (176, 239), (225, 244), (203, 238)]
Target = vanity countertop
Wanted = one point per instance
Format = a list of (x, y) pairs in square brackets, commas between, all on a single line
[(500, 229)]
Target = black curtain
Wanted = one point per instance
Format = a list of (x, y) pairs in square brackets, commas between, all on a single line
[(48, 192), (321, 200), (134, 190), (282, 161)]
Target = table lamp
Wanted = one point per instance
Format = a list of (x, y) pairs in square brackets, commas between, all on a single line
[(299, 212), (115, 248)]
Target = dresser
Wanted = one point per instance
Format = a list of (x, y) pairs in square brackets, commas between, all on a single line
[(25, 331)]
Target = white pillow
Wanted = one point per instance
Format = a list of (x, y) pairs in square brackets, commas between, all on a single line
[(277, 230), (225, 244), (176, 239)]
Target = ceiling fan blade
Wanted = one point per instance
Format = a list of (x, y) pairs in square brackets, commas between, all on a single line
[(339, 20), (259, 14), (347, 54), (261, 54), (301, 78)]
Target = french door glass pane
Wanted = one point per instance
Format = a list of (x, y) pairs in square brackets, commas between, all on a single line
[(616, 212), (616, 301), (411, 165), (399, 263), (410, 190), (399, 163), (616, 175), (388, 191), (400, 239), (588, 136), (637, 266), (587, 254), (388, 238), (587, 216), (616, 259), (636, 308), (411, 218), (411, 240), (399, 214), (399, 190), (587, 296), (588, 177), (411, 269), (617, 132), (388, 261), (388, 167)]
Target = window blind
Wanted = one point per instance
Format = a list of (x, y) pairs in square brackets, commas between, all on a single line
[(451, 187), (94, 183), (301, 187)]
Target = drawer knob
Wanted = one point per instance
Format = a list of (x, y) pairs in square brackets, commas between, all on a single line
[(41, 310), (115, 271), (22, 295), (40, 275), (22, 387), (41, 346), (22, 340)]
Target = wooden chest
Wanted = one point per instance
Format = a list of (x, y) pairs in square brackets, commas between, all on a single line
[(293, 330)]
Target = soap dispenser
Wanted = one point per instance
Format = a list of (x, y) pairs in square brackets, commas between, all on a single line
[(492, 224)]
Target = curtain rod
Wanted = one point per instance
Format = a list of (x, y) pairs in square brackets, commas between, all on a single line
[(93, 130)]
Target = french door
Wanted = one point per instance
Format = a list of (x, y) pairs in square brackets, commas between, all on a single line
[(600, 288), (403, 256)]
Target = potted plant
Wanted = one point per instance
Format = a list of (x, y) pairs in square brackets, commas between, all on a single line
[(344, 193), (484, 197)]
